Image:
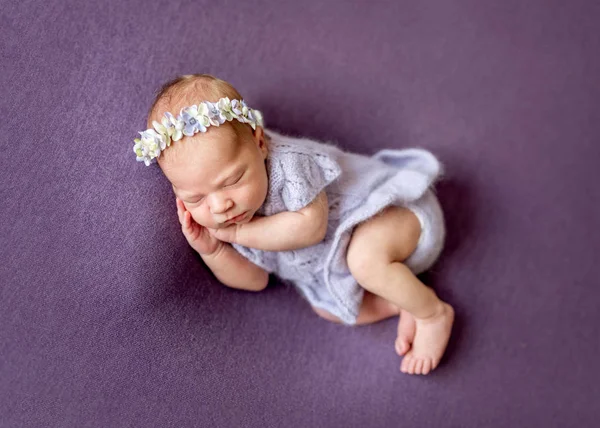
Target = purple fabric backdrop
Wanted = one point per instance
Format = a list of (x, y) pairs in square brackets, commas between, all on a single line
[(108, 318)]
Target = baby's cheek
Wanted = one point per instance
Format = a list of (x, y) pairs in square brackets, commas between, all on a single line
[(256, 194), (205, 218), (198, 216)]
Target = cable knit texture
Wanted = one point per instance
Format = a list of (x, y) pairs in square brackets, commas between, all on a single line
[(357, 188)]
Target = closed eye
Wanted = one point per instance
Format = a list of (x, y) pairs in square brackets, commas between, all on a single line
[(229, 185), (236, 181), (196, 201)]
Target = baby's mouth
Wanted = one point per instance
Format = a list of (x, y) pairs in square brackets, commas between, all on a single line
[(237, 218)]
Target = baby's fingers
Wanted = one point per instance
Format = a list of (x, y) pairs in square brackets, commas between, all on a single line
[(187, 221), (185, 224), (180, 210), (189, 228), (182, 213)]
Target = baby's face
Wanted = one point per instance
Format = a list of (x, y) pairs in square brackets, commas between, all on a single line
[(220, 177)]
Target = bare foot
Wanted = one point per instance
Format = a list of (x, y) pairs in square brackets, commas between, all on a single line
[(430, 342), (406, 333)]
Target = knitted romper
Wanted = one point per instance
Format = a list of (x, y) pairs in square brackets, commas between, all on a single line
[(357, 188)]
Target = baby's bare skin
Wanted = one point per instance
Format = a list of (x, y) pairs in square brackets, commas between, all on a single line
[(375, 255), (430, 340), (220, 180)]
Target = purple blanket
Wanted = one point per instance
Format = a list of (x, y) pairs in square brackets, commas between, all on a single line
[(108, 318)]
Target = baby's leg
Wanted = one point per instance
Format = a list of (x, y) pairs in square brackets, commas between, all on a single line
[(375, 254), (372, 309)]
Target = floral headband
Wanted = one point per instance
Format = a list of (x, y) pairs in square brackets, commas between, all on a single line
[(191, 120)]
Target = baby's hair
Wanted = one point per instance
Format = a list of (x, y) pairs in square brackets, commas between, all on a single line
[(208, 87), (190, 89)]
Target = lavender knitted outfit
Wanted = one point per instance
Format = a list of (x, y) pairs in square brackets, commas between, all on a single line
[(357, 188)]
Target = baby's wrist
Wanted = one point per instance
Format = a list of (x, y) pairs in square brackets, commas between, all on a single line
[(215, 253)]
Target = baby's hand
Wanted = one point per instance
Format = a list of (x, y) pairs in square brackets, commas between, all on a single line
[(227, 234), (197, 236)]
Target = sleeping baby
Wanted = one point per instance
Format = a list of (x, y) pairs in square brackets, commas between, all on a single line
[(349, 231)]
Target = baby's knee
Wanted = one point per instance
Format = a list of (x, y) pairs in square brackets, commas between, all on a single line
[(386, 238), (364, 255), (363, 262)]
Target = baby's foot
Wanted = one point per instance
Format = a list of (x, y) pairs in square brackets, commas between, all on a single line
[(406, 333), (430, 342)]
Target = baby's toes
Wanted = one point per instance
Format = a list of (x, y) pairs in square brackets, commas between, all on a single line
[(418, 366), (404, 366), (412, 365), (426, 366), (401, 346)]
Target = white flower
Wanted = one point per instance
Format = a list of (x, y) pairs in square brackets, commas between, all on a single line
[(244, 108), (174, 127), (224, 105), (192, 121), (163, 131), (236, 107), (259, 118), (214, 114), (203, 115), (149, 146)]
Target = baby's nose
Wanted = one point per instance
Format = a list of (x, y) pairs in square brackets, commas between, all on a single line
[(220, 207)]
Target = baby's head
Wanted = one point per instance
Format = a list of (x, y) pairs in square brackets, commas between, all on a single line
[(219, 174)]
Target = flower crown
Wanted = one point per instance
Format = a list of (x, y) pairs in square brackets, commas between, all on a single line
[(191, 120)]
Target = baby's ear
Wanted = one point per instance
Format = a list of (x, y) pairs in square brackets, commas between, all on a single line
[(262, 140)]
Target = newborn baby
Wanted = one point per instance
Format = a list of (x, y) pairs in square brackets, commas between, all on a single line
[(350, 231)]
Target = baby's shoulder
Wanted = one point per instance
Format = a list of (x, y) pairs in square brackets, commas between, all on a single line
[(291, 157), (299, 168)]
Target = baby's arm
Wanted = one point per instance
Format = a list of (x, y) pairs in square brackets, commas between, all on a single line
[(288, 230), (229, 266), (234, 270)]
